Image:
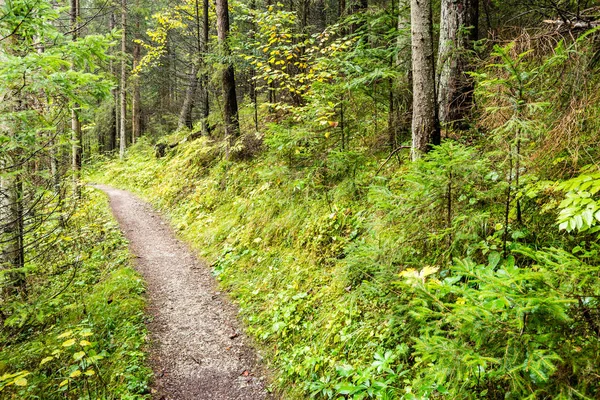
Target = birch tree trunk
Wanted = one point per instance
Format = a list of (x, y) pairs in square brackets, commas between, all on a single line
[(123, 113), (230, 107), (425, 124), (458, 29)]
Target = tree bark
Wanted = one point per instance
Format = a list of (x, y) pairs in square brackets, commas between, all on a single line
[(399, 102), (230, 107), (185, 115), (135, 98), (204, 77), (75, 123), (122, 129), (425, 124), (458, 30), (113, 129)]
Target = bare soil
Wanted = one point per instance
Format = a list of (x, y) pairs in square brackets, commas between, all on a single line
[(198, 349)]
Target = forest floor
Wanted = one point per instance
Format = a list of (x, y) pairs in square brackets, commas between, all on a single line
[(198, 350)]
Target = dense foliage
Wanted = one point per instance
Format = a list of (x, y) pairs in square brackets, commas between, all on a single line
[(80, 331), (296, 147)]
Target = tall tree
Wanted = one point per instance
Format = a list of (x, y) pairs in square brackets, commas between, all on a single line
[(123, 113), (458, 30), (204, 77), (11, 219), (230, 106), (185, 115), (75, 123), (425, 123), (135, 83), (113, 131)]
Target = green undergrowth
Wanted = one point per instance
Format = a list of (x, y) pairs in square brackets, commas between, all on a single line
[(79, 333), (403, 284)]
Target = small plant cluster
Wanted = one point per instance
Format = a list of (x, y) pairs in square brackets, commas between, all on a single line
[(79, 334)]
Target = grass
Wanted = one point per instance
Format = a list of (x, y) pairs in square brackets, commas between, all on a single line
[(80, 334), (279, 252)]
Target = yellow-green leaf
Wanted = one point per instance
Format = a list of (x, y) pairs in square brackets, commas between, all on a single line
[(90, 372), (69, 343), (63, 383), (79, 355), (84, 343), (46, 359), (75, 374), (66, 334), (21, 381)]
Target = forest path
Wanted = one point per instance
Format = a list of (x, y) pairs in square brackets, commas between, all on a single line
[(197, 348)]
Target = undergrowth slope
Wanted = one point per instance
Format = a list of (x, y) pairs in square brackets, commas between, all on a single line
[(374, 287), (80, 333)]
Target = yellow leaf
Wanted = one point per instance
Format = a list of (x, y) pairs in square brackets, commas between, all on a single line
[(46, 359), (21, 381), (75, 374), (69, 343), (63, 383), (428, 271), (409, 273), (66, 334), (84, 343), (90, 372)]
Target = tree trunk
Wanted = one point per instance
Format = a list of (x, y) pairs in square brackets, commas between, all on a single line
[(230, 108), (75, 123), (185, 115), (425, 124), (11, 224), (204, 78), (458, 30), (122, 129), (341, 9), (135, 99), (113, 129)]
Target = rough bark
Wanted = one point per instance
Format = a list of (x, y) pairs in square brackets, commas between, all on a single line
[(113, 129), (204, 77), (230, 107), (123, 113), (185, 115), (399, 99), (458, 30), (11, 223), (425, 124), (75, 123), (135, 98)]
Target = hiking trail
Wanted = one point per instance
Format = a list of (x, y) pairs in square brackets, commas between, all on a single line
[(198, 350)]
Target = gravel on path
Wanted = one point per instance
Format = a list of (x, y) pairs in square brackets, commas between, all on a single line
[(198, 349)]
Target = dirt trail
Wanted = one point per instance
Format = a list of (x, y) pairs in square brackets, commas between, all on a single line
[(198, 350)]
